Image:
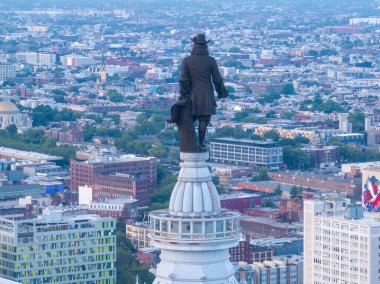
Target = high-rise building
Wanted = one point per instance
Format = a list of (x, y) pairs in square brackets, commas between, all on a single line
[(344, 125), (194, 234), (246, 152), (341, 245), (116, 177), (58, 247)]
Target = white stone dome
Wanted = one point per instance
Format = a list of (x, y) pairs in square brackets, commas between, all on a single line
[(194, 194), (8, 107)]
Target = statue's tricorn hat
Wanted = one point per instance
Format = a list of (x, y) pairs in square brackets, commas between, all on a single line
[(200, 39)]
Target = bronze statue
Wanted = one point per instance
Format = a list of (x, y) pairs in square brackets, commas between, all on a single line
[(199, 76)]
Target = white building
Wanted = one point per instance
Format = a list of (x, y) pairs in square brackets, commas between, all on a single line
[(246, 152), (138, 234), (9, 114), (58, 247), (344, 125), (340, 244), (7, 71), (369, 21), (194, 234)]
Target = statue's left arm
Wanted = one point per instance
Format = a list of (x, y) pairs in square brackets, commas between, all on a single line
[(184, 81), (218, 80)]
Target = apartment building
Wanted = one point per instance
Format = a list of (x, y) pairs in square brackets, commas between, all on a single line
[(59, 246), (341, 244), (246, 152)]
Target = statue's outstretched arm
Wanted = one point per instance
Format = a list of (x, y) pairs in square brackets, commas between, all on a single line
[(218, 80)]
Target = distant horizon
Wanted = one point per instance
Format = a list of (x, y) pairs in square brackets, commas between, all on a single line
[(67, 4)]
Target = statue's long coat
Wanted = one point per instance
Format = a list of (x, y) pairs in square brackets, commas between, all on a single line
[(198, 74)]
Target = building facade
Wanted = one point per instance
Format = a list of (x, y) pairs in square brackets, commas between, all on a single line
[(121, 209), (270, 272), (116, 177), (323, 156), (264, 227), (246, 152), (346, 185), (9, 114), (341, 245), (59, 248), (7, 71), (138, 234)]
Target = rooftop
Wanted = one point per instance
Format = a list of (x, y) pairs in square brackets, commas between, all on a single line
[(245, 141), (8, 107), (25, 155), (267, 221), (10, 191), (237, 195), (119, 201), (115, 159)]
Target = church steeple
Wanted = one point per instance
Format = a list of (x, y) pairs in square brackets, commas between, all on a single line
[(102, 76)]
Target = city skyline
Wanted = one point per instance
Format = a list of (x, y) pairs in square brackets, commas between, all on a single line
[(97, 187)]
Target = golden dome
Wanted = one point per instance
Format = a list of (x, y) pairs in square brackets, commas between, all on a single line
[(8, 107)]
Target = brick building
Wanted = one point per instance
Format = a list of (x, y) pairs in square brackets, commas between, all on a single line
[(260, 250), (263, 227), (323, 156), (155, 104), (148, 256), (349, 186), (66, 135), (121, 209), (240, 202), (116, 177)]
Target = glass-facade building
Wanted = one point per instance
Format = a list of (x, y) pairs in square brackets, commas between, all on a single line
[(55, 248)]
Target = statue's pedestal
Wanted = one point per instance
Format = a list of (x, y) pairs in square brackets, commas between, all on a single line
[(194, 234)]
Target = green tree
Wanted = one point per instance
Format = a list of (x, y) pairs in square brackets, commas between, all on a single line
[(114, 96), (215, 180), (268, 202), (160, 198), (256, 137), (294, 191), (158, 150), (357, 119), (287, 115), (272, 135), (295, 158), (12, 129), (127, 266), (8, 83), (230, 90), (278, 190), (139, 147), (115, 118), (58, 92), (42, 115), (313, 53), (228, 131), (268, 98), (169, 137), (288, 89), (263, 174)]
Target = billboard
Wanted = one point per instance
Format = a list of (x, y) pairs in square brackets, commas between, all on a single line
[(371, 190)]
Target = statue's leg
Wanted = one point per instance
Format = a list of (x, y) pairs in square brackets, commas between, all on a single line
[(188, 140), (202, 129)]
